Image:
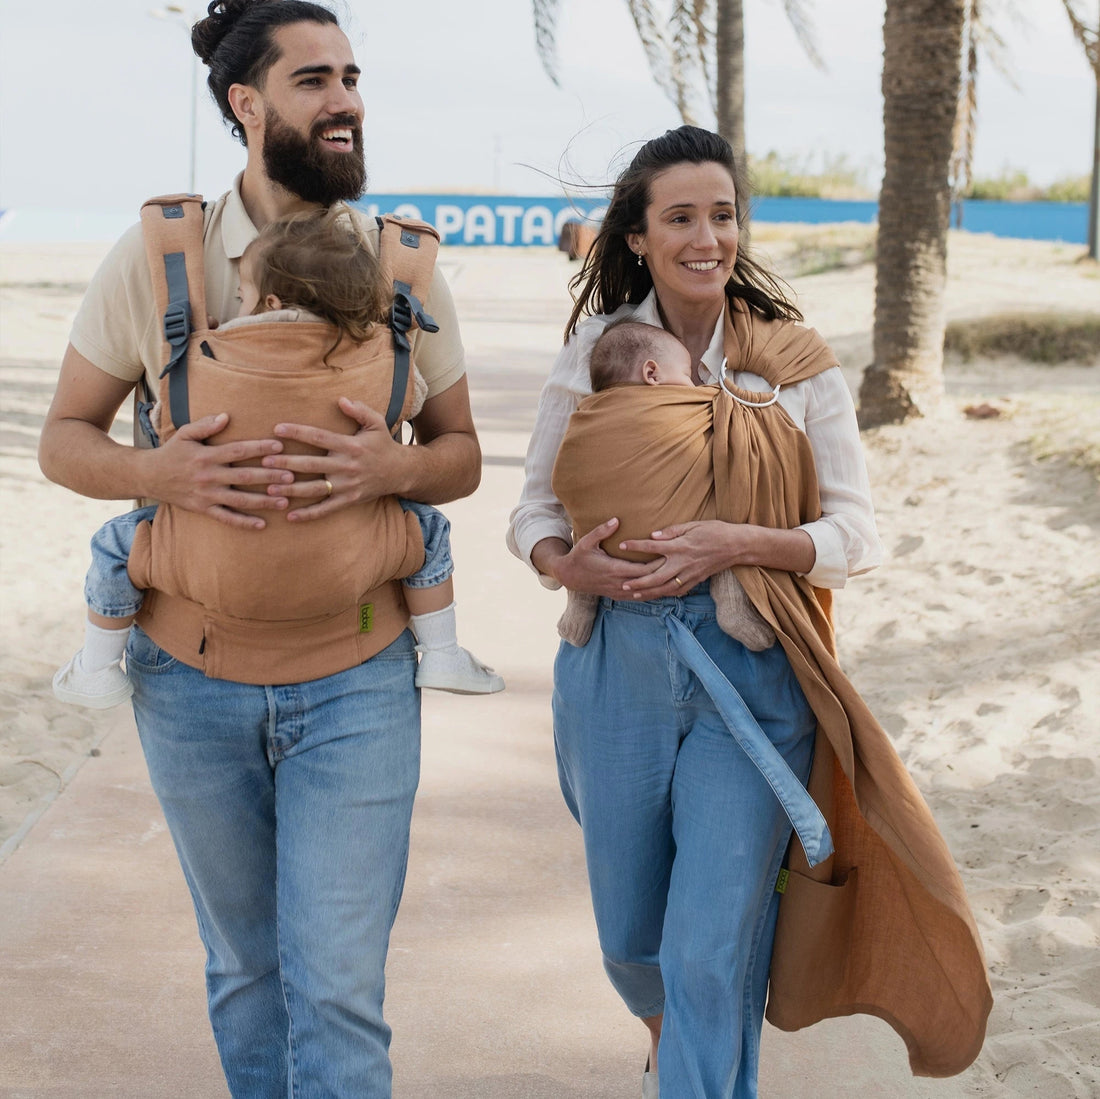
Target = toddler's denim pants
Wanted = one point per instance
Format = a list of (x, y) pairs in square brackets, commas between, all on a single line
[(107, 587)]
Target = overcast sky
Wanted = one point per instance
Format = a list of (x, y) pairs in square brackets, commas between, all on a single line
[(95, 97)]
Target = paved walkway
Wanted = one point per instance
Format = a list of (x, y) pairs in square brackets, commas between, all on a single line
[(495, 984)]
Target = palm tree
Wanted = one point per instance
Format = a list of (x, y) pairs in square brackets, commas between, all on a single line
[(920, 87), (698, 43), (1090, 40), (979, 37)]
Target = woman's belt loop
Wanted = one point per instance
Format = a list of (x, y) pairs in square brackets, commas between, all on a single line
[(803, 813)]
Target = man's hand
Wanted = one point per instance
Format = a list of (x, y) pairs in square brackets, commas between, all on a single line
[(76, 450), (198, 477), (352, 469)]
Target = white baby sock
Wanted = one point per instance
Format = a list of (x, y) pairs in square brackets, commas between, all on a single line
[(437, 630), (102, 648)]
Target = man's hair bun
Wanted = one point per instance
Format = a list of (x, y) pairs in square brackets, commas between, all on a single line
[(221, 17), (236, 43)]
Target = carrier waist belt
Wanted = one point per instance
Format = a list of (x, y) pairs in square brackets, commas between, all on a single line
[(263, 653)]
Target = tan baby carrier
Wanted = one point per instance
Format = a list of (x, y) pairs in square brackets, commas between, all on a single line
[(294, 601)]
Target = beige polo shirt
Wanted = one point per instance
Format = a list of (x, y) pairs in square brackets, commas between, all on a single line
[(118, 330)]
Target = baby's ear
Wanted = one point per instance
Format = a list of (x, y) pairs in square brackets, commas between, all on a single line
[(651, 373), (271, 302)]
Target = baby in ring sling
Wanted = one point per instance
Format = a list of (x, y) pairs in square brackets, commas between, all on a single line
[(659, 452), (314, 270)]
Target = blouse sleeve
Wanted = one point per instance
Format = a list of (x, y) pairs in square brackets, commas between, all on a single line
[(845, 537), (539, 514)]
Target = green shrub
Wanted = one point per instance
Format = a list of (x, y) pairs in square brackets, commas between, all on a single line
[(787, 177), (1071, 189), (1012, 185)]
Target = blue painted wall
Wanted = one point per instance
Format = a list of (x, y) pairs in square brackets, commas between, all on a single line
[(488, 219), (537, 220)]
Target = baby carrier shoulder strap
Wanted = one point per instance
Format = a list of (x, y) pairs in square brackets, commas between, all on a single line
[(407, 250), (173, 231), (172, 226)]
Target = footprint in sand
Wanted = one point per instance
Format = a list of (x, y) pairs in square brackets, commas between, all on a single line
[(908, 544), (1026, 905)]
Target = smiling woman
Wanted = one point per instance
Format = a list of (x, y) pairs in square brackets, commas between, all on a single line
[(685, 754), (690, 241)]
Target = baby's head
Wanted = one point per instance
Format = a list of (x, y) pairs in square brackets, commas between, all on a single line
[(632, 353), (317, 262)]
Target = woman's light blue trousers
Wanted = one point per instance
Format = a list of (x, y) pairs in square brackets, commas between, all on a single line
[(684, 757)]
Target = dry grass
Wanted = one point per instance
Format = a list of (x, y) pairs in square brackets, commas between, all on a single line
[(1067, 430), (1036, 337), (800, 250)]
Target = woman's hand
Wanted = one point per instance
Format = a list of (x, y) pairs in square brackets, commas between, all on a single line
[(688, 554), (352, 469), (693, 552), (586, 567)]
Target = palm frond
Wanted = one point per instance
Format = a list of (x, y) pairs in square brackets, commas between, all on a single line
[(989, 40), (703, 15), (654, 43), (683, 59), (799, 18), (1089, 37), (966, 114), (546, 24)]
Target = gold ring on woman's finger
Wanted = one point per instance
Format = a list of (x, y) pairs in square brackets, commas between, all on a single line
[(328, 487), (679, 582)]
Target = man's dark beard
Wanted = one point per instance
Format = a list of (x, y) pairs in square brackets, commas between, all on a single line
[(306, 168)]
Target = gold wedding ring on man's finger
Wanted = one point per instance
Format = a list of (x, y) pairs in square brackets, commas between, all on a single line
[(679, 582), (328, 487)]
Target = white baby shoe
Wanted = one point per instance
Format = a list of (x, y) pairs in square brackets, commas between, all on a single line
[(97, 690), (456, 670)]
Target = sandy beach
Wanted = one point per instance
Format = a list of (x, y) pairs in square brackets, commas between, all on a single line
[(976, 644)]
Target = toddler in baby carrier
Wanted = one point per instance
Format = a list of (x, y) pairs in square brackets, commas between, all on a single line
[(311, 270)]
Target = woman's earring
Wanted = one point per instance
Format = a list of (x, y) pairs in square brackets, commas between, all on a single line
[(640, 261)]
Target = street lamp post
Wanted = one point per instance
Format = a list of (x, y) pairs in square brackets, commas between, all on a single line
[(177, 13)]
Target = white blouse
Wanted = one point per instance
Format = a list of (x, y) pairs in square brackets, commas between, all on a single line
[(845, 537)]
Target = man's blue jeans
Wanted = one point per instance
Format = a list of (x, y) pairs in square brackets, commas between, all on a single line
[(289, 807), (683, 835)]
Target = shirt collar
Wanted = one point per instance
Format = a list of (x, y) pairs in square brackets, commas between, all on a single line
[(238, 232)]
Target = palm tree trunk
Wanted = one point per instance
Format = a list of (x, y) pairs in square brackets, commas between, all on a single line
[(1094, 190), (730, 72), (920, 87)]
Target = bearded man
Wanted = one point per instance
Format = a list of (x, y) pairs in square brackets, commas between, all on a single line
[(289, 804)]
